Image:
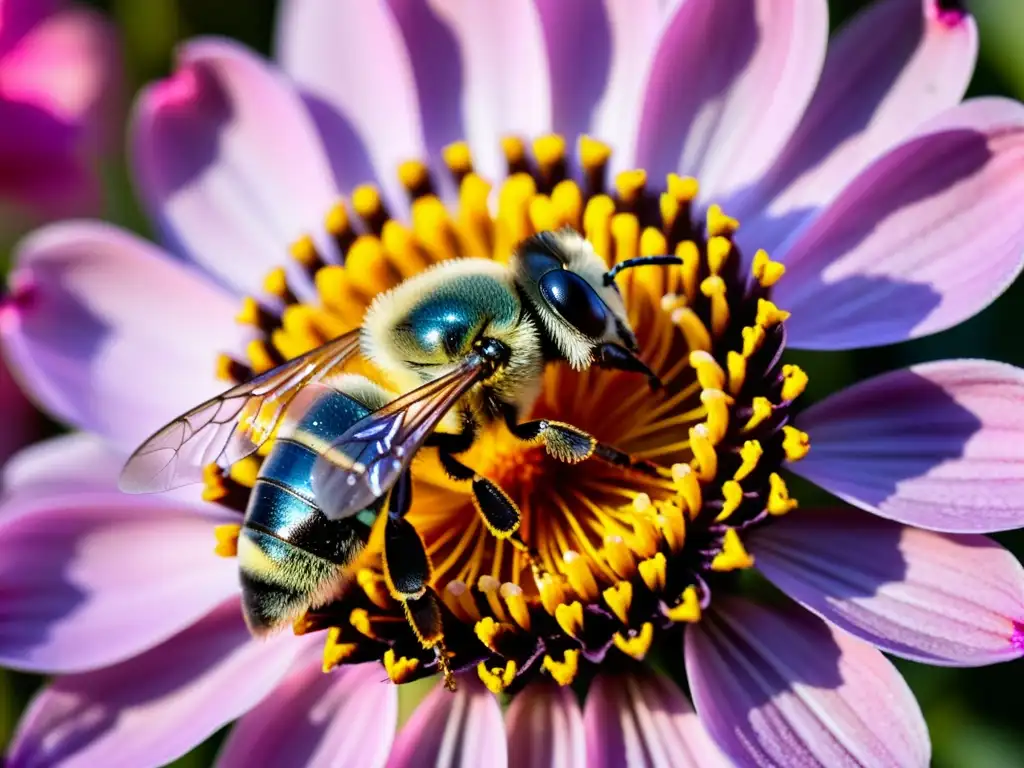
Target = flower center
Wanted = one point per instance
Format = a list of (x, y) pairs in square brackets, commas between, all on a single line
[(622, 559)]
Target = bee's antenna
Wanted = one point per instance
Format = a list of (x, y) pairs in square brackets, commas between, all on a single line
[(639, 261)]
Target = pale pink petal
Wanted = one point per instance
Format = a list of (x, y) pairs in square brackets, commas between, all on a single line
[(230, 162), (462, 730), (780, 687), (545, 728), (727, 86), (938, 445), (947, 599), (505, 88), (109, 333), (643, 719), (21, 422), (70, 65), (91, 577), (153, 708), (598, 54), (350, 61), (345, 718), (890, 68), (923, 239), (66, 464)]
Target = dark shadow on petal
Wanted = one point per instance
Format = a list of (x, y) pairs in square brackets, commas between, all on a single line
[(348, 155)]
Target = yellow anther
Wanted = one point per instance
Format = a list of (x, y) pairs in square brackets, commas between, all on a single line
[(213, 483), (653, 243), (718, 251), (543, 216), (714, 288), (619, 557), (639, 644), (720, 224), (733, 555), (375, 588), (762, 410), (251, 313), (767, 272), (642, 503), (244, 472), (339, 294), (753, 338), (690, 268), (672, 524), (670, 302), (490, 587), (304, 625), (737, 366), (704, 452), (568, 202), (496, 679), (619, 597), (335, 651), (227, 539), (645, 538), (475, 215), (366, 201), (630, 185), (779, 501), (514, 211), (399, 669), (459, 598), (688, 609), (367, 267), (694, 330), (580, 577), (717, 404), (750, 453), (433, 226), (514, 150), (688, 486), (669, 209), (625, 230), (570, 617), (360, 619), (488, 631), (549, 151), (304, 252), (593, 153), (403, 251), (732, 495), (597, 225), (518, 608), (337, 222), (795, 443), (709, 372), (414, 176), (227, 368), (458, 158), (276, 283), (563, 672), (683, 188), (552, 591), (794, 382), (652, 571), (769, 315)]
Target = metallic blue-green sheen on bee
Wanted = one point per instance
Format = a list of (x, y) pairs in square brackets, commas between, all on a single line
[(290, 555)]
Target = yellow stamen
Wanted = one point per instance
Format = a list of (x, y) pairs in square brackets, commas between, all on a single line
[(779, 502), (403, 249), (737, 365), (767, 272), (683, 188), (762, 410), (732, 495), (733, 555), (717, 404), (638, 645), (549, 152), (360, 619), (704, 453), (458, 158), (625, 235), (720, 224), (375, 588), (794, 382), (543, 216), (434, 228), (552, 592), (694, 331), (597, 225), (368, 205), (718, 251), (714, 288), (688, 609), (261, 359), (581, 579), (570, 617), (491, 589), (488, 631), (244, 472), (276, 283), (415, 177), (517, 606), (795, 443), (335, 652), (753, 338), (619, 557), (619, 597), (709, 372), (401, 669), (568, 204), (769, 315), (250, 313), (514, 212), (515, 153), (497, 679), (459, 598), (563, 672), (688, 485), (366, 265), (227, 539), (594, 154), (304, 252), (690, 268), (630, 185), (652, 571), (750, 453), (475, 215)]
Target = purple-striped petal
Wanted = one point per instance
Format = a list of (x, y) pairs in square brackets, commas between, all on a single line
[(110, 334), (505, 88), (153, 708), (727, 86), (21, 422), (345, 718), (465, 725), (91, 578), (893, 66), (350, 61), (947, 599), (938, 445), (545, 728), (923, 239), (644, 719), (208, 150), (780, 687)]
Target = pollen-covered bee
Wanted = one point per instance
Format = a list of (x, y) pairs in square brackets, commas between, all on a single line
[(464, 343)]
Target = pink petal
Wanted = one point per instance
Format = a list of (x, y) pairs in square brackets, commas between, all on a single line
[(545, 728), (209, 155), (728, 84), (110, 334), (65, 464), (948, 599), (350, 61), (923, 239), (780, 687), (890, 68), (462, 728), (345, 718), (155, 707), (505, 74), (17, 17), (91, 577), (70, 65), (644, 719), (21, 422), (938, 445)]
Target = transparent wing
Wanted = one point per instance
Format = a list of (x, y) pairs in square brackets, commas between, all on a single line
[(362, 465), (231, 426)]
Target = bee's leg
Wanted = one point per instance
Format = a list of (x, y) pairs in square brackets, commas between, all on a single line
[(571, 444), (408, 572)]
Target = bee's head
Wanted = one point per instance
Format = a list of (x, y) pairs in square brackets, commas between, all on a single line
[(582, 312)]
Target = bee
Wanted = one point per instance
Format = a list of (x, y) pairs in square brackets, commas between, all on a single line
[(464, 343)]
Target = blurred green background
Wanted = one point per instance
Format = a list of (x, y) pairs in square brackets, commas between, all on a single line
[(976, 716)]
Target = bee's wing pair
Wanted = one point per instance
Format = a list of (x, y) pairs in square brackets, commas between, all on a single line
[(357, 468)]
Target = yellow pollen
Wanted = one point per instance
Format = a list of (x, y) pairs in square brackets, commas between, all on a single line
[(709, 372), (276, 283), (458, 158), (619, 597), (687, 251), (688, 609), (244, 472), (514, 211), (794, 382), (619, 557), (714, 288), (762, 411), (432, 224), (335, 651), (683, 188), (733, 555), (567, 201), (517, 606), (227, 539), (413, 175), (250, 313), (593, 153), (625, 235), (652, 571), (637, 645), (718, 251), (563, 672), (769, 315), (375, 588), (719, 224), (399, 669), (514, 149), (570, 618), (549, 151), (669, 208), (366, 201), (732, 494), (688, 485), (642, 503), (704, 453), (580, 577), (767, 272), (672, 525), (304, 252), (597, 224), (795, 443), (488, 631), (497, 679), (779, 502), (652, 243), (753, 338), (750, 453), (630, 185), (213, 483), (717, 404), (737, 365), (337, 222), (360, 619), (646, 537), (552, 592)]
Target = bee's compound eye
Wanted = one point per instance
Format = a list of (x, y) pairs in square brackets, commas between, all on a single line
[(573, 298), (538, 263)]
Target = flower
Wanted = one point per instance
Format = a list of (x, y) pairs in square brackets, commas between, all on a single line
[(889, 212), (59, 89)]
